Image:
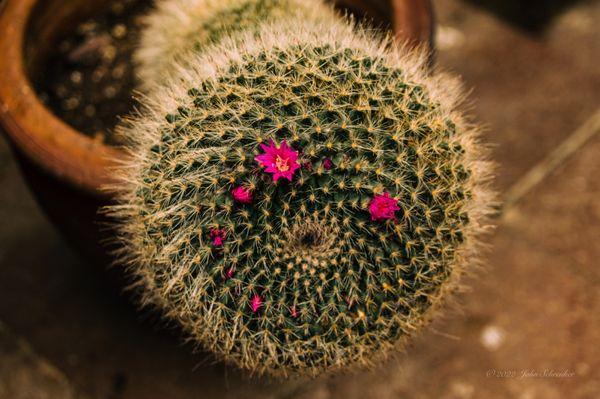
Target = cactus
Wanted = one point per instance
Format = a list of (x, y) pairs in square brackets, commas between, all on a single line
[(302, 199), (177, 27)]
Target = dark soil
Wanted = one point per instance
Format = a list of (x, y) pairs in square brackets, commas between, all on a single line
[(90, 79)]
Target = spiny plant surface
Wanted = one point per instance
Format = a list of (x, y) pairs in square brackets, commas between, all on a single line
[(303, 201), (177, 27)]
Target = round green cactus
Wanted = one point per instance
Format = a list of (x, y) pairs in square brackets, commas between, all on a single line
[(302, 199), (177, 27)]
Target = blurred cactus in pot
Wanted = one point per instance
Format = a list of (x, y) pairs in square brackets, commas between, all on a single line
[(178, 27), (302, 198)]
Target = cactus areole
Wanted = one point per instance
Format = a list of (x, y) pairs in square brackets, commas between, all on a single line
[(302, 201)]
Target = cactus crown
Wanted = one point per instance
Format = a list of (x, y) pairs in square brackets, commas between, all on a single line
[(302, 198), (178, 27)]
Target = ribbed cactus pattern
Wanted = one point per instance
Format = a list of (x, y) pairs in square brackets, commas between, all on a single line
[(177, 27), (303, 200)]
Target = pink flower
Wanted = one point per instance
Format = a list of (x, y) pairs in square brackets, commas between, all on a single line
[(255, 303), (281, 161), (242, 195), (218, 237), (229, 274), (327, 164), (383, 207)]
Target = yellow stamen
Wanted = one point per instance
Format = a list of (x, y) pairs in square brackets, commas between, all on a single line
[(281, 164)]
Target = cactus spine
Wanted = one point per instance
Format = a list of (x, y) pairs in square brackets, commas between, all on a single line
[(303, 198), (177, 28)]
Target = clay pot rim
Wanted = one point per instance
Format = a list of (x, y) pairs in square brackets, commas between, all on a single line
[(72, 156)]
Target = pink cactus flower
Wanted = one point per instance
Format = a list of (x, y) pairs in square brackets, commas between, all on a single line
[(255, 303), (280, 161), (218, 237), (327, 164), (229, 273), (383, 207), (242, 195)]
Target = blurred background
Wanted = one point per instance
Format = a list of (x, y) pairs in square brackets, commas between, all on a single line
[(528, 327)]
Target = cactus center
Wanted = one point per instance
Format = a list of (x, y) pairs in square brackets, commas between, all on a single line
[(309, 240)]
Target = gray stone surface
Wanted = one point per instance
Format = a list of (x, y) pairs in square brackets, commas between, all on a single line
[(25, 375)]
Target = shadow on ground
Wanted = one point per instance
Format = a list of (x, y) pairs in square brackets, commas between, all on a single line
[(530, 15)]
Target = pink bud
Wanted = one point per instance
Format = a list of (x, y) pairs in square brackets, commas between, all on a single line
[(255, 303), (383, 207), (218, 237), (242, 195)]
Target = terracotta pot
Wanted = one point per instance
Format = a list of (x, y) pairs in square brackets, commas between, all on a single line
[(66, 169)]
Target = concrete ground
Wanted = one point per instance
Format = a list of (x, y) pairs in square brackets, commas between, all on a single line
[(529, 327)]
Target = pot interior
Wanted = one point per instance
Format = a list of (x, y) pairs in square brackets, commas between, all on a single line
[(49, 22)]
